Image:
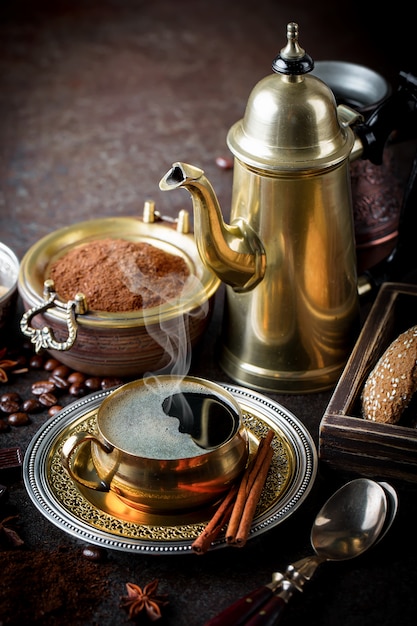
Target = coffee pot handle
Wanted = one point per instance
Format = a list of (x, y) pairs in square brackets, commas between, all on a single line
[(398, 112), (70, 447)]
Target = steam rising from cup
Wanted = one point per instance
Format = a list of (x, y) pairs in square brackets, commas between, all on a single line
[(175, 341)]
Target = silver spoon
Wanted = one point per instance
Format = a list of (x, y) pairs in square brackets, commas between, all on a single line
[(352, 520), (392, 504)]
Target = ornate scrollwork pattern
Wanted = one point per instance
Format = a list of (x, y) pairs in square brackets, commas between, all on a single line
[(43, 338)]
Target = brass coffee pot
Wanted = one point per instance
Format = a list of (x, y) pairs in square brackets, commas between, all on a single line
[(288, 256)]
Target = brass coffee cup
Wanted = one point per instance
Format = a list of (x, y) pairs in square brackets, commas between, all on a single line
[(164, 444)]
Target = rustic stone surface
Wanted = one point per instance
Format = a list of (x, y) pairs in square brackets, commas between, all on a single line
[(97, 99)]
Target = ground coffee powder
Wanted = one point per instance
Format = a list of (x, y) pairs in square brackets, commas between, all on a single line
[(50, 588), (119, 275)]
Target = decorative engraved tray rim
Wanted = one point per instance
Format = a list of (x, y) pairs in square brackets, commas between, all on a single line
[(260, 412)]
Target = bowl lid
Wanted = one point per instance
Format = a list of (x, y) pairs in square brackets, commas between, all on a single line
[(37, 260)]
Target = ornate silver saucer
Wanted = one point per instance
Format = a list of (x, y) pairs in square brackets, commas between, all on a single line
[(103, 519)]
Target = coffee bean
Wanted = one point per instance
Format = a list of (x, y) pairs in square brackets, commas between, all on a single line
[(51, 364), (77, 390), (94, 553), (9, 406), (53, 410), (36, 362), (32, 405), (61, 371), (108, 383), (77, 378), (93, 383), (18, 419), (225, 163), (48, 399), (12, 396), (43, 386), (59, 382)]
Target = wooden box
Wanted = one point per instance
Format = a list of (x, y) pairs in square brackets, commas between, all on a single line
[(349, 443)]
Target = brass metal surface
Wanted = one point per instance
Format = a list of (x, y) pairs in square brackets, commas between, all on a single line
[(160, 483), (290, 123), (292, 329), (104, 519), (233, 252), (110, 503), (288, 256)]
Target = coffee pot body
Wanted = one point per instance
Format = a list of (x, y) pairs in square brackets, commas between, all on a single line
[(294, 330)]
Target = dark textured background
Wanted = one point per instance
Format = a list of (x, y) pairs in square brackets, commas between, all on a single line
[(97, 99)]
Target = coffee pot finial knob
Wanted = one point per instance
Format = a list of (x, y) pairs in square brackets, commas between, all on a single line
[(292, 50), (292, 59)]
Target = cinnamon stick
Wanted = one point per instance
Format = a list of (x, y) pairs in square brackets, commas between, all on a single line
[(238, 507), (203, 542), (259, 458), (252, 501), (249, 492)]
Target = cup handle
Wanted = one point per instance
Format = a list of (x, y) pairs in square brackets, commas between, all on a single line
[(68, 450)]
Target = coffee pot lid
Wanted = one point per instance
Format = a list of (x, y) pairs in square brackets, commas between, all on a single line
[(291, 119)]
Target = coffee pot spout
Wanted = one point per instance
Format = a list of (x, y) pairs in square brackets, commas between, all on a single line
[(233, 252)]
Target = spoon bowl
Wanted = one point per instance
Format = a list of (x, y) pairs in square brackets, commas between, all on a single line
[(350, 521)]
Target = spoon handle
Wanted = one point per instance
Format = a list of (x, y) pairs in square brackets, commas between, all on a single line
[(269, 614), (243, 609)]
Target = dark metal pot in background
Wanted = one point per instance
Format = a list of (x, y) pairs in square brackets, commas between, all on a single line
[(377, 190)]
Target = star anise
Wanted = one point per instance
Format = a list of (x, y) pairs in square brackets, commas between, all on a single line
[(148, 600), (5, 364)]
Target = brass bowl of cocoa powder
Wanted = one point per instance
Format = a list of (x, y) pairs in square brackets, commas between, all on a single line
[(122, 343)]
